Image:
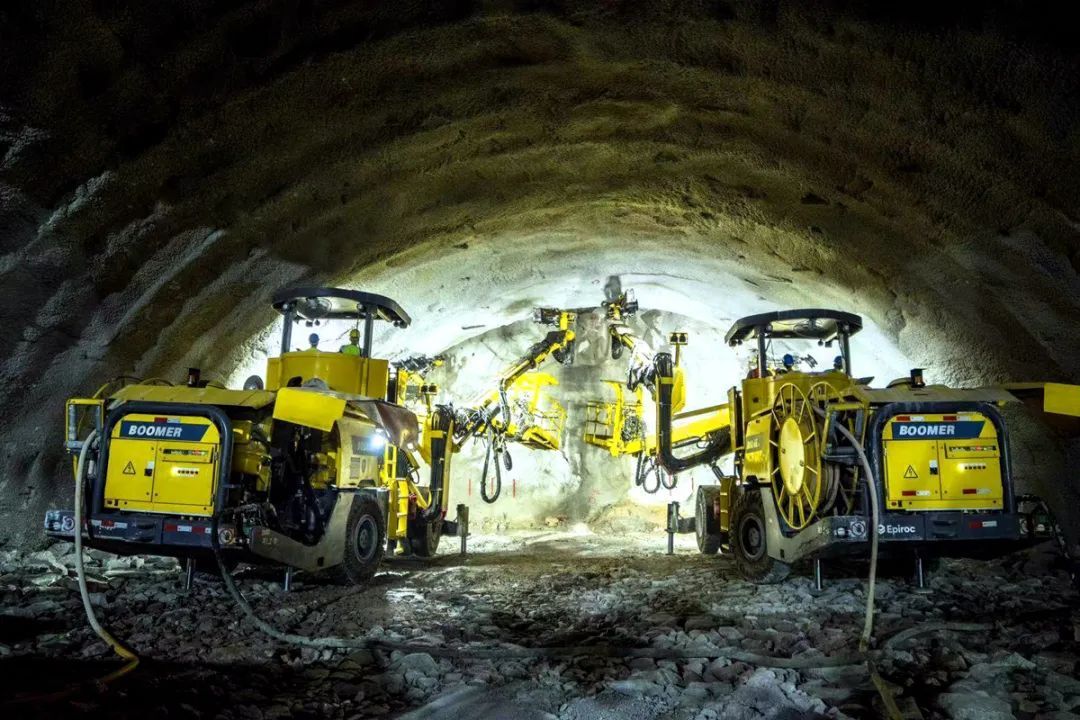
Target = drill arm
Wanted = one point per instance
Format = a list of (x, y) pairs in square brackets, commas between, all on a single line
[(558, 343), (491, 418), (641, 362), (660, 374), (555, 342)]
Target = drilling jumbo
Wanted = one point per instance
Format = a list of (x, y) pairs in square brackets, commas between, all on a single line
[(824, 464), (315, 468)]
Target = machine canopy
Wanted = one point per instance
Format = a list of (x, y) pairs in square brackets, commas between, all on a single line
[(325, 303), (812, 324)]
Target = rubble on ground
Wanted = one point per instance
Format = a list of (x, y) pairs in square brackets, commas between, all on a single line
[(545, 589)]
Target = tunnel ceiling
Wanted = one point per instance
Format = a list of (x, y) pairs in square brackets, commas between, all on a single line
[(165, 168)]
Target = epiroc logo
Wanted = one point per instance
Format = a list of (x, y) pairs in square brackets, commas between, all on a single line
[(896, 530), (162, 430), (964, 430)]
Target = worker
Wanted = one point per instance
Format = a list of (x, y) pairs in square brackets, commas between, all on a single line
[(353, 346), (789, 362), (313, 340), (838, 363), (755, 371)]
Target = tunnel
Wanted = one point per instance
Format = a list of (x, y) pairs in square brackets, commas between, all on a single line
[(167, 169)]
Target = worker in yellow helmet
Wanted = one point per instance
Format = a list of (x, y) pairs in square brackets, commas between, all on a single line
[(353, 346)]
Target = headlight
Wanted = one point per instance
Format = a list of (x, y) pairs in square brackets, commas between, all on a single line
[(377, 441)]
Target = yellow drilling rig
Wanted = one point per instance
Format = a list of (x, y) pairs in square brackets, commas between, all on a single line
[(317, 467), (822, 461), (317, 470)]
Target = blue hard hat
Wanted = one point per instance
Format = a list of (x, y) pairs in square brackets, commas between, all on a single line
[(313, 338), (789, 359)]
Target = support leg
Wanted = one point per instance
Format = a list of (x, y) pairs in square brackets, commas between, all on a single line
[(189, 573), (920, 574), (672, 526), (463, 527), (287, 584), (819, 583)]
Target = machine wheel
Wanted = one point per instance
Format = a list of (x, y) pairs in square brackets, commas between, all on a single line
[(424, 537), (705, 522), (365, 541), (748, 540)]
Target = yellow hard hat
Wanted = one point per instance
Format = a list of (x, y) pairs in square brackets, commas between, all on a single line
[(354, 335)]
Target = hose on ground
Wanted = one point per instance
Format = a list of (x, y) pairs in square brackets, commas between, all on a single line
[(887, 699), (904, 635), (118, 647), (509, 653), (875, 514), (610, 651)]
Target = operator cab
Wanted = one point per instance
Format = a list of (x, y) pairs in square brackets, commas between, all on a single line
[(824, 326), (344, 366)]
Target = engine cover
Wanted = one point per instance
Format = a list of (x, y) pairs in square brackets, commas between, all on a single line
[(163, 464), (942, 461)]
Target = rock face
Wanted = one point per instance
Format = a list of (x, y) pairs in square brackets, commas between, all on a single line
[(162, 171)]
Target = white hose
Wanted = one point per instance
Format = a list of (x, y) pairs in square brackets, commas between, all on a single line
[(875, 514), (892, 710), (118, 647)]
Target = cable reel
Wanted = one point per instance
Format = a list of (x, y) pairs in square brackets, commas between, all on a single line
[(633, 427), (805, 484), (797, 478), (841, 480)]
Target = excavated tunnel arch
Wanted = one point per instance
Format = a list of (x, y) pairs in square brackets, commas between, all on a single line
[(163, 175), (472, 304)]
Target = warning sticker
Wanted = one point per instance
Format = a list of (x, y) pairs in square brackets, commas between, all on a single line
[(129, 469), (911, 474)]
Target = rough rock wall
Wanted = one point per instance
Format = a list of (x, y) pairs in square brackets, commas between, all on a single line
[(165, 168)]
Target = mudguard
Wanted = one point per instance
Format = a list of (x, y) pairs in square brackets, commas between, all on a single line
[(320, 409), (330, 549)]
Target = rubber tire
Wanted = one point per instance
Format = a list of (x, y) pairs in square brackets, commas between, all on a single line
[(358, 567), (754, 565), (707, 543), (424, 537)]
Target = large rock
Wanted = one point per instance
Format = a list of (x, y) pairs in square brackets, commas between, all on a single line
[(974, 706)]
